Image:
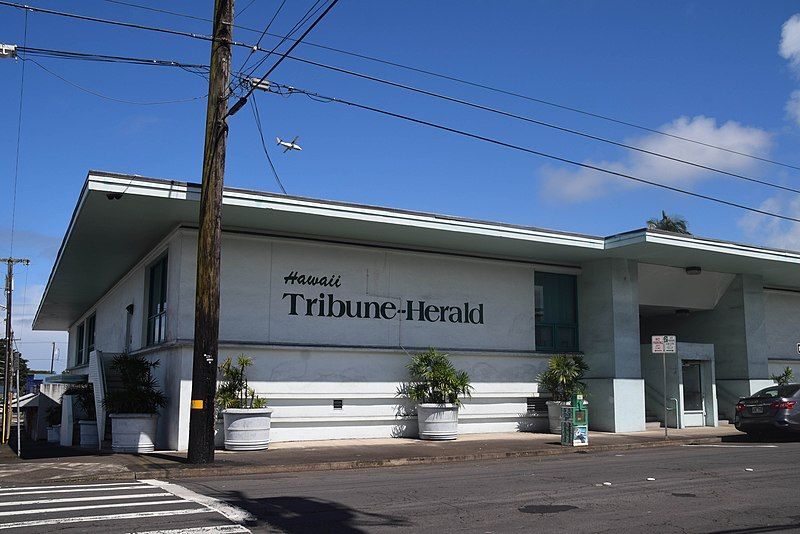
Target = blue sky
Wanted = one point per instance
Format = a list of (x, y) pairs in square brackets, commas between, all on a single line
[(713, 70)]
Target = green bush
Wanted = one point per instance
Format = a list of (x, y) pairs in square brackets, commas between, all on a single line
[(435, 380), (786, 377), (233, 390), (84, 396), (562, 379), (139, 392), (53, 416)]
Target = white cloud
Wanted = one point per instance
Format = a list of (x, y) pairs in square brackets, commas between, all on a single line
[(793, 106), (789, 47), (584, 184), (772, 231)]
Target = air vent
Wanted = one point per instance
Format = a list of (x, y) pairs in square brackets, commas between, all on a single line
[(338, 404), (536, 404)]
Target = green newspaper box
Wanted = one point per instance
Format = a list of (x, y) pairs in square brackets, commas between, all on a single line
[(575, 423)]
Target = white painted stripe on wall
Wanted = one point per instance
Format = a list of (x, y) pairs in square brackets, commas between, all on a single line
[(93, 498), (92, 507), (234, 513), (113, 517), (223, 529), (64, 486)]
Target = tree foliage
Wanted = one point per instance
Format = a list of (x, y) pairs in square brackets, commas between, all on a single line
[(562, 379), (139, 392), (435, 380), (669, 223)]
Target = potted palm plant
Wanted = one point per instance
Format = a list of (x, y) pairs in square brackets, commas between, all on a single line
[(562, 379), (84, 398), (246, 418), (436, 386), (133, 408)]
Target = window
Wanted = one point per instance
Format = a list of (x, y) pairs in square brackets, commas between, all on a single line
[(556, 312), (157, 303), (90, 335), (80, 350)]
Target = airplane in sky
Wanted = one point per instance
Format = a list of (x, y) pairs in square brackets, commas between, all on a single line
[(289, 145)]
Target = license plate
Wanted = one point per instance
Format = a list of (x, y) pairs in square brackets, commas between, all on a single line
[(756, 409)]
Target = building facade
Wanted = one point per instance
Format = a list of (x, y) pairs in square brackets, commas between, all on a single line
[(330, 300)]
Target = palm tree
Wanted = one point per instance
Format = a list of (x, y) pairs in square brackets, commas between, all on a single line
[(674, 223)]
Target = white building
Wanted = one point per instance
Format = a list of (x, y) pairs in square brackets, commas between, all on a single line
[(331, 298)]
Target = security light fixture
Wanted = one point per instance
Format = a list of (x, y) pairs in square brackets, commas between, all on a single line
[(113, 196), (682, 312), (693, 271)]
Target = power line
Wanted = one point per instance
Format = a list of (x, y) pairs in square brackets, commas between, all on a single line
[(19, 142), (275, 87), (111, 98), (480, 85), (266, 29), (257, 118), (542, 123), (245, 8), (238, 105), (105, 58)]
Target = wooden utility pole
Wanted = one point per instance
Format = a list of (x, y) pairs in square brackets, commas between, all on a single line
[(7, 384), (206, 319)]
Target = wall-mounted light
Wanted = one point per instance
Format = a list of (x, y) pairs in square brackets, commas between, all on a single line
[(693, 271), (682, 312)]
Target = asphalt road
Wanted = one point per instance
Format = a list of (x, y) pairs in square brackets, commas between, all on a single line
[(731, 488)]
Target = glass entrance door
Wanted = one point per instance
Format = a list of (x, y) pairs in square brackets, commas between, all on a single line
[(693, 413)]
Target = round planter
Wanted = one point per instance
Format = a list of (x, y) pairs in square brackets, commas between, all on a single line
[(246, 429), (88, 434), (133, 432), (554, 415), (437, 422), (54, 434)]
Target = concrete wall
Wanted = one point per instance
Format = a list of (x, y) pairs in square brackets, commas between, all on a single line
[(608, 303)]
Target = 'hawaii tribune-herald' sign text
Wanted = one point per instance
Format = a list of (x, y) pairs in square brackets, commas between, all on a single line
[(327, 305)]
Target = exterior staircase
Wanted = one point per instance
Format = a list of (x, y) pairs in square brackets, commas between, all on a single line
[(652, 421)]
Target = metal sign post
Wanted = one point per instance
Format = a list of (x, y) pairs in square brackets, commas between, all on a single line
[(665, 345)]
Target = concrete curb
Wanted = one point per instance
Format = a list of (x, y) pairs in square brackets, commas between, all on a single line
[(180, 472)]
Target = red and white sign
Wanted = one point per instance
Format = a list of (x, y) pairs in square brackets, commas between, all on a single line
[(664, 344)]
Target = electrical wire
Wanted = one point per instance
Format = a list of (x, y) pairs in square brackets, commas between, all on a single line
[(543, 123), (238, 105), (257, 118), (276, 87), (104, 58), (19, 143), (261, 37), (245, 8), (111, 98), (479, 85)]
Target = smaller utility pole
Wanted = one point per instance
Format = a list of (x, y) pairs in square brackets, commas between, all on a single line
[(53, 358), (9, 346)]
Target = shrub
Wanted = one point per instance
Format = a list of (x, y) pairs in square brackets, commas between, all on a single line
[(139, 392), (786, 377), (84, 396), (435, 380), (233, 391), (562, 379)]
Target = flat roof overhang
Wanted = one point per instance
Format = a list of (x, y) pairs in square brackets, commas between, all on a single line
[(119, 218)]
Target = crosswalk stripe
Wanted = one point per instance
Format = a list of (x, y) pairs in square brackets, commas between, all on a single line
[(117, 488), (234, 513), (114, 517), (83, 499), (105, 485), (222, 529), (92, 507)]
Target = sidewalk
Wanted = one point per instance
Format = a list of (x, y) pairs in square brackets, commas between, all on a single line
[(51, 463)]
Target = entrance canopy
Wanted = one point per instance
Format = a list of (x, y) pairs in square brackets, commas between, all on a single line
[(120, 218)]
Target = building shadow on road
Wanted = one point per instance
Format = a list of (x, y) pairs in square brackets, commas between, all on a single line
[(297, 514), (762, 438)]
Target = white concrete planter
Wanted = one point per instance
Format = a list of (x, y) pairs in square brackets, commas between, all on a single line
[(437, 422), (554, 414), (133, 432), (54, 434), (246, 429), (88, 434)]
